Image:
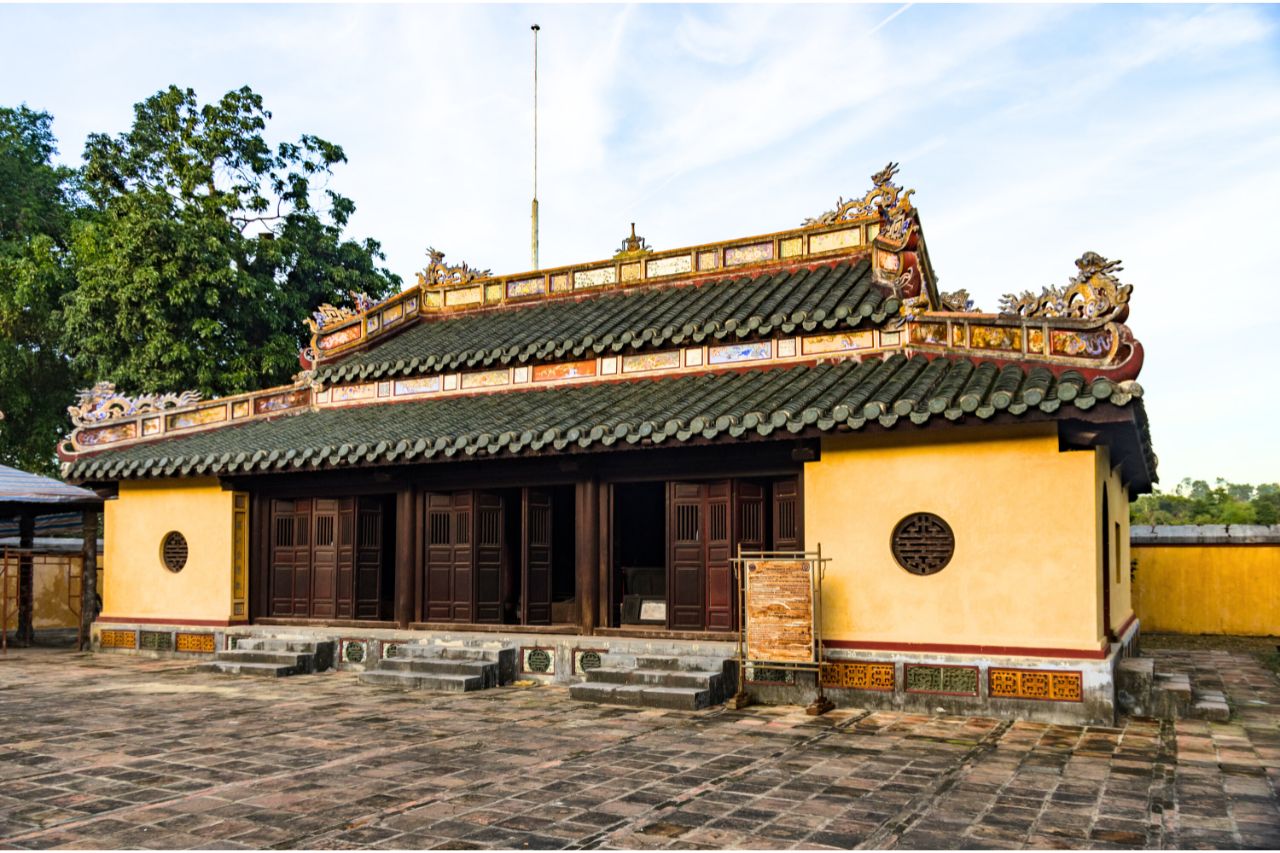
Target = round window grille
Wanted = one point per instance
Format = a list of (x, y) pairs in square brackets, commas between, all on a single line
[(173, 551), (923, 543)]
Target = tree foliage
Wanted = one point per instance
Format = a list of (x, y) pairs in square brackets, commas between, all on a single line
[(206, 247), (1196, 502), (37, 207)]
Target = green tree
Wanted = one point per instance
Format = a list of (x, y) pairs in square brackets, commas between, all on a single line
[(205, 247), (1196, 502), (37, 208)]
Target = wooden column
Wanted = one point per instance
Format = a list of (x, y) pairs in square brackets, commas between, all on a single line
[(88, 576), (586, 544), (26, 603), (406, 556)]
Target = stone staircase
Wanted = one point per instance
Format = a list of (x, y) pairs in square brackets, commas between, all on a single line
[(273, 657), (452, 668), (1143, 692), (685, 683)]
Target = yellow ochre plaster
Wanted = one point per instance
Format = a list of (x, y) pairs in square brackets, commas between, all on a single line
[(1023, 514), (138, 586), (1209, 589)]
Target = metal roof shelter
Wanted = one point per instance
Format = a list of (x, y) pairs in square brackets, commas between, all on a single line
[(25, 496)]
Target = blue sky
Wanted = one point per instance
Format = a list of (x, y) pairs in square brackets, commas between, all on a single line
[(1031, 133)]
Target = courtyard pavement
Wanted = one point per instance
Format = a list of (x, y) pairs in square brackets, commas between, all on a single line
[(121, 752)]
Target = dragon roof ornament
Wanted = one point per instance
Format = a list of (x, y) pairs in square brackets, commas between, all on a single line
[(885, 199), (103, 403), (438, 273), (328, 314), (1094, 293)]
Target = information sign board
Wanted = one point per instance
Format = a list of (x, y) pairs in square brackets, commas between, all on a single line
[(779, 611)]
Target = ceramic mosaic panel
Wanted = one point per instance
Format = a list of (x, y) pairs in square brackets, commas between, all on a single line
[(538, 660), (353, 651), (787, 348), (631, 272), (753, 254), (410, 305), (1048, 685), (609, 364), (568, 370), (486, 378), (707, 260), (200, 417), (873, 230), (526, 287), (559, 283), (113, 638), (594, 278), (769, 675), (493, 293), (392, 314), (432, 299), (586, 659), (889, 262), (151, 426), (521, 374), (1035, 341), (791, 247), (371, 324), (952, 680), (693, 357), (197, 643), (156, 641), (839, 342), (451, 382), (650, 361), (669, 266), (384, 389), (995, 338), (833, 240), (240, 409), (281, 402), (463, 296), (730, 353), (1080, 344), (106, 435), (890, 339), (346, 393), (337, 338), (856, 675), (420, 385), (929, 333)]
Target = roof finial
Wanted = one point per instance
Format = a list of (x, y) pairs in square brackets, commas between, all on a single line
[(633, 245)]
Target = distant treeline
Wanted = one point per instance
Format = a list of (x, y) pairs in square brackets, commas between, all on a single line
[(1197, 502)]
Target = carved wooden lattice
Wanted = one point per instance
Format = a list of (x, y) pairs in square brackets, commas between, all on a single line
[(961, 680), (116, 639), (173, 551), (858, 676), (196, 643), (1036, 684), (923, 543)]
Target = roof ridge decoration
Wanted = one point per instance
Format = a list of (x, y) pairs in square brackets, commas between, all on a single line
[(885, 199), (633, 246), (1094, 293), (328, 314), (103, 403), (440, 274)]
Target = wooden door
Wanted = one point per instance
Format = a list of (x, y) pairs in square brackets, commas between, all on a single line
[(686, 563), (346, 559), (490, 555), (290, 558), (450, 587), (719, 534), (788, 518), (368, 558), (536, 558), (323, 594)]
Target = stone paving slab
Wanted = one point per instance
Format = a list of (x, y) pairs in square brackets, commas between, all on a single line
[(118, 752)]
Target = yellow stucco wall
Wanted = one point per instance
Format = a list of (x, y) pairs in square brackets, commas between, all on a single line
[(1117, 559), (1209, 589), (138, 586), (1023, 513)]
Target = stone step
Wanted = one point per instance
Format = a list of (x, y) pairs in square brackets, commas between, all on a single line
[(237, 655), (485, 671), (647, 696), (1171, 696), (1210, 705), (454, 653), (1134, 679), (655, 677), (261, 670), (275, 644), (690, 663), (421, 681)]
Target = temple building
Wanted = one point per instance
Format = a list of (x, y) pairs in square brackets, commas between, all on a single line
[(568, 459)]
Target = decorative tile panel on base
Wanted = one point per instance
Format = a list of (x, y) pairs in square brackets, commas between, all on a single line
[(538, 660), (585, 659), (203, 643), (859, 676), (945, 680), (112, 638), (1048, 685), (353, 652)]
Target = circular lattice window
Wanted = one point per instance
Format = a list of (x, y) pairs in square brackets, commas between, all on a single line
[(173, 551), (923, 543)]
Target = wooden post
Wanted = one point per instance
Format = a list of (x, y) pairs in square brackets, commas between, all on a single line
[(406, 553), (586, 541), (26, 603), (88, 577)]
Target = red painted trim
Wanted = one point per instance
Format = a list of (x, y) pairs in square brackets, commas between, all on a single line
[(1128, 623), (147, 620), (948, 648)]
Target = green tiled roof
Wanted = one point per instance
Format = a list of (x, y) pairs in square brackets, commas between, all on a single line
[(784, 401), (730, 309)]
